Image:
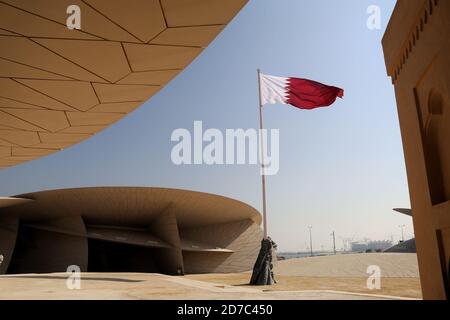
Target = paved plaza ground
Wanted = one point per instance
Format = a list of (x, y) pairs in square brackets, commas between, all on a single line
[(333, 277)]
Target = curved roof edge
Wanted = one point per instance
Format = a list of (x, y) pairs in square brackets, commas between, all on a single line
[(12, 201), (129, 204)]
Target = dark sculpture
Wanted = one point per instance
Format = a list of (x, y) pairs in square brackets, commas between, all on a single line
[(262, 270)]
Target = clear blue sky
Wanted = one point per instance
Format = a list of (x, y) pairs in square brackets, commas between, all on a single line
[(341, 168)]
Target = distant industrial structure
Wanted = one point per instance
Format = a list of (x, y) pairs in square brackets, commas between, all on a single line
[(408, 246), (362, 246)]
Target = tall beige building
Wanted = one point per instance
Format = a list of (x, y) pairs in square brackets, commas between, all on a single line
[(417, 53)]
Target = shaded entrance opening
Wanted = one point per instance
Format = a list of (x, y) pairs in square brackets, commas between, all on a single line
[(108, 256), (25, 242), (44, 251)]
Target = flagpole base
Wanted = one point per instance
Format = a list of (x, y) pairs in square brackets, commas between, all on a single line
[(263, 269)]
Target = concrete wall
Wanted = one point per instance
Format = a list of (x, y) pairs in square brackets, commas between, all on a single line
[(165, 227), (242, 237), (53, 245), (417, 52)]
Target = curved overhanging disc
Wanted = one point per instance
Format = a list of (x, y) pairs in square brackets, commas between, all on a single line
[(404, 211), (11, 201), (60, 86)]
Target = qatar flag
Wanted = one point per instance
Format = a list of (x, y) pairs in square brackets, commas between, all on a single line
[(300, 93)]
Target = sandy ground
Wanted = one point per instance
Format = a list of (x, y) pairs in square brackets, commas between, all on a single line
[(392, 265), (401, 287), (342, 281), (399, 274)]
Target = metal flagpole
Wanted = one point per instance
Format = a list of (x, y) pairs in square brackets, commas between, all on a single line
[(262, 270), (261, 139)]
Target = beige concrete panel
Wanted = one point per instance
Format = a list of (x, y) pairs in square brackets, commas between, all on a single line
[(92, 118), (30, 25), (7, 162), (136, 237), (22, 138), (55, 146), (124, 92), (5, 143), (17, 70), (200, 12), (7, 33), (188, 36), (19, 104), (47, 119), (196, 262), (190, 245), (62, 137), (20, 158), (119, 107), (8, 235), (150, 77), (80, 95), (169, 261), (19, 151), (92, 21), (165, 227), (142, 18), (17, 91), (242, 238), (73, 224), (95, 56), (6, 128), (83, 129), (126, 236), (5, 151), (7, 120), (25, 51), (156, 57), (8, 103)]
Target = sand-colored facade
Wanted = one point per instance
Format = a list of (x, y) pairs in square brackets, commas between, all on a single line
[(128, 229), (417, 53)]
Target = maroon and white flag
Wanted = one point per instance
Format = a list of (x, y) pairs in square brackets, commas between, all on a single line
[(300, 93)]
